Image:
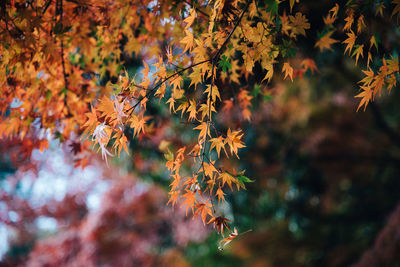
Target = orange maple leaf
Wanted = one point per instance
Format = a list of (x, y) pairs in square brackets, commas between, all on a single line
[(349, 41), (288, 70), (203, 209), (325, 41), (190, 200), (219, 144), (220, 194), (233, 141)]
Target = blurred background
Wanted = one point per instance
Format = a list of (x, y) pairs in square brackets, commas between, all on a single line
[(326, 190)]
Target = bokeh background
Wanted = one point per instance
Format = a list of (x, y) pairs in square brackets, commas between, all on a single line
[(326, 190)]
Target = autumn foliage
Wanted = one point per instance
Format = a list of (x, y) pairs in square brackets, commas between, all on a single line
[(64, 77)]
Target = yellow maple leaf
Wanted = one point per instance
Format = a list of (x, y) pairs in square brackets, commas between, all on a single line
[(204, 130), (187, 41), (299, 24), (270, 72), (228, 179), (219, 144), (213, 90), (192, 110), (195, 77), (209, 169), (189, 20), (233, 139), (220, 194)]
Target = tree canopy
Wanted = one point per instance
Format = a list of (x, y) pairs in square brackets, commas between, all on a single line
[(191, 81)]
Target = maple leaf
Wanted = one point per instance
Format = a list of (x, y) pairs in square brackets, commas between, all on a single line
[(220, 223), (365, 95), (176, 82), (285, 23), (233, 141), (146, 70), (369, 58), (91, 118), (206, 108), (192, 110), (189, 200), (120, 142), (358, 51), (213, 91), (227, 178), (195, 151), (189, 20), (331, 17), (325, 41), (187, 41), (392, 65), (138, 123), (350, 41), (242, 179), (224, 63), (360, 24), (220, 194), (369, 77), (228, 239), (219, 144), (379, 9), (203, 209), (372, 42), (228, 104), (209, 169), (299, 24), (173, 197), (183, 107), (101, 135), (171, 102), (349, 21), (270, 72), (288, 70), (309, 64), (204, 130), (175, 182), (106, 107), (195, 77)]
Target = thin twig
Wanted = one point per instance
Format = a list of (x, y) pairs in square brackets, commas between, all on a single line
[(196, 8)]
